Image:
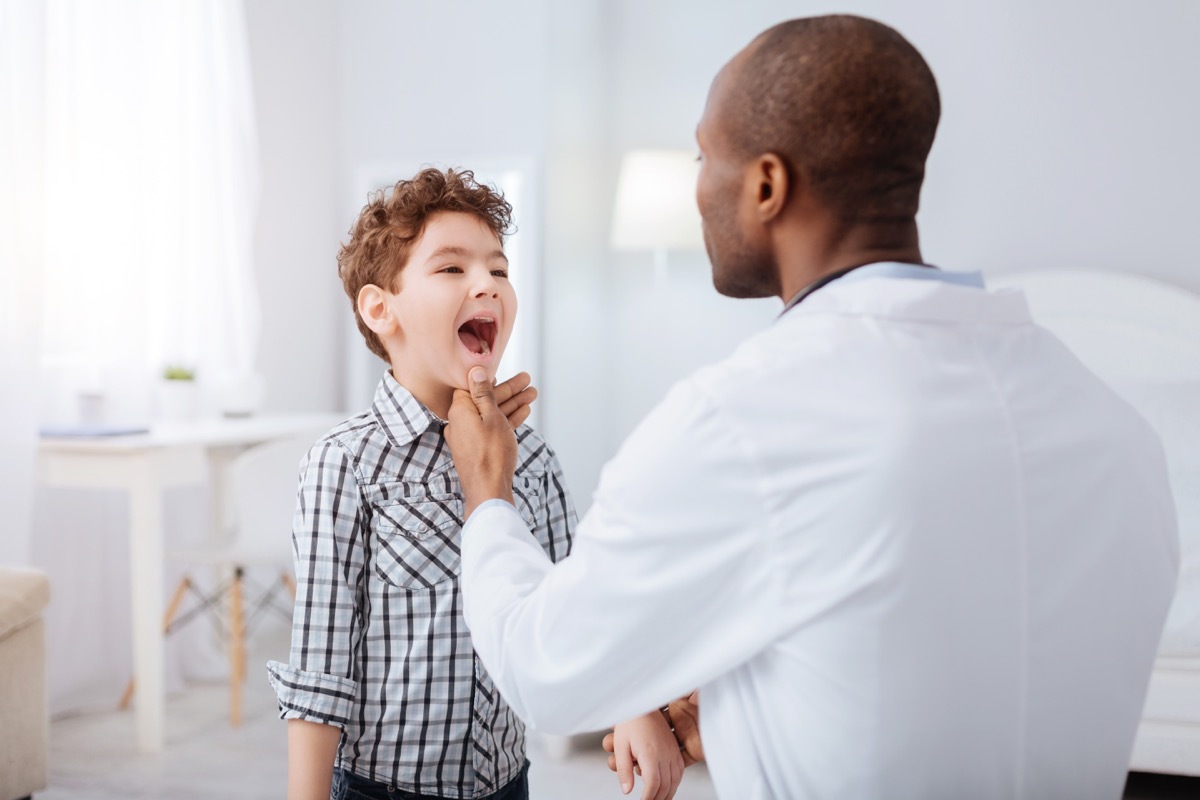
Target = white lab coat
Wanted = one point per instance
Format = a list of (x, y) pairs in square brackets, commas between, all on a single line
[(905, 544)]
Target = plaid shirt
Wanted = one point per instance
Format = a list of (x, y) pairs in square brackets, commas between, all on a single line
[(379, 646)]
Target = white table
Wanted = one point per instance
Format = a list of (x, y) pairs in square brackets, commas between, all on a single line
[(145, 466)]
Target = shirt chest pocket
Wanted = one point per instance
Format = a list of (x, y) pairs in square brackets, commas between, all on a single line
[(418, 541), (527, 497)]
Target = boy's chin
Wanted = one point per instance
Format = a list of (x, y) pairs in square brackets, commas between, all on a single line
[(463, 381)]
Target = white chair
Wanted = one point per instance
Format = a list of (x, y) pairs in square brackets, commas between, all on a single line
[(262, 496)]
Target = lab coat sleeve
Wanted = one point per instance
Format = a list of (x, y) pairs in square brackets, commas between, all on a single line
[(668, 585)]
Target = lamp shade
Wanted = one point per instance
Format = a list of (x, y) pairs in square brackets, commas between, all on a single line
[(655, 207)]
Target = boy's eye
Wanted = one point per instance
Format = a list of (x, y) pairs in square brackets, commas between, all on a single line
[(452, 270), (500, 273)]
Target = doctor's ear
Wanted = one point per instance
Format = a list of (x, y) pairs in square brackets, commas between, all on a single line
[(375, 311), (772, 185)]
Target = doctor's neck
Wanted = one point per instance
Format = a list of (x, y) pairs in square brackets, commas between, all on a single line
[(824, 246)]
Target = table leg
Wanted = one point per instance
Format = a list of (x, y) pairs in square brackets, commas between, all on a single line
[(219, 461), (146, 573)]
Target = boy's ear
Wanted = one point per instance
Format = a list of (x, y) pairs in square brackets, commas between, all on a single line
[(375, 311)]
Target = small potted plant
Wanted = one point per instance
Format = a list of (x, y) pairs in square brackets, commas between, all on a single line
[(177, 393), (178, 372)]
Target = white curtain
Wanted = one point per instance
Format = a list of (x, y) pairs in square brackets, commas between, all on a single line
[(127, 203), (151, 188), (20, 254)]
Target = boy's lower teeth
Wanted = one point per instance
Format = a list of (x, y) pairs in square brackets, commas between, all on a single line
[(486, 349)]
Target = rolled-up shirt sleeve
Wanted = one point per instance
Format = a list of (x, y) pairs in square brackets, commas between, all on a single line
[(318, 684)]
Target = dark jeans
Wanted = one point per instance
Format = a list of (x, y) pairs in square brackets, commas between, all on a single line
[(348, 786)]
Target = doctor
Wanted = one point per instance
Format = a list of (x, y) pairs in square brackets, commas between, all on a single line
[(904, 543)]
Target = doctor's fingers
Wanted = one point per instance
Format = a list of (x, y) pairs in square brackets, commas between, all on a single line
[(685, 719), (514, 385), (516, 408), (518, 417)]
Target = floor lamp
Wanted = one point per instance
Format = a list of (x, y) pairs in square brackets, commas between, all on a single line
[(655, 207)]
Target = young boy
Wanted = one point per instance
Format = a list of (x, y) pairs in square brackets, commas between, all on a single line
[(383, 692)]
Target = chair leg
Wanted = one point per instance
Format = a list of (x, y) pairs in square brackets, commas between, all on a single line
[(237, 654), (168, 617)]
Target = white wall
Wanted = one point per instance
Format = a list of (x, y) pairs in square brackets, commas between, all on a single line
[(1068, 138), (294, 64), (461, 78), (577, 383)]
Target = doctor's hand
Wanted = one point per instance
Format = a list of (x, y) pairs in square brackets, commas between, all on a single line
[(513, 398), (482, 443), (685, 720)]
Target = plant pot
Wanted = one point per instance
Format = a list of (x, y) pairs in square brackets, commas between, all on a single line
[(177, 401)]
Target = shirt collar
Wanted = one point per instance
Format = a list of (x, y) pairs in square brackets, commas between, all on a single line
[(403, 416)]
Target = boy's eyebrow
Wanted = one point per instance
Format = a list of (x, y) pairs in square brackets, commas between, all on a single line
[(455, 250)]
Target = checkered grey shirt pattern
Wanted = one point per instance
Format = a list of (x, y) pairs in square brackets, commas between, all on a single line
[(379, 645)]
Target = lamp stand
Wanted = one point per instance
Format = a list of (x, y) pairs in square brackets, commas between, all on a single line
[(660, 267)]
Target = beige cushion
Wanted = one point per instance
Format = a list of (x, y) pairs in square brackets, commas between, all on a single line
[(23, 595)]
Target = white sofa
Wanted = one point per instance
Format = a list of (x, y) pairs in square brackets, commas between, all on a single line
[(24, 713)]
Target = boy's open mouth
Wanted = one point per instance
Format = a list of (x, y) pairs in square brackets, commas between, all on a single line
[(478, 335)]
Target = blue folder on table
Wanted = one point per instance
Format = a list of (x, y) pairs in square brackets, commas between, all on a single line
[(86, 431)]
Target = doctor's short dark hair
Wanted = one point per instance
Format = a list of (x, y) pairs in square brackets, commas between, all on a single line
[(391, 222), (848, 101)]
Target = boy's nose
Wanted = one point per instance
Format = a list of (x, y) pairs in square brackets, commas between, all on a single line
[(487, 285)]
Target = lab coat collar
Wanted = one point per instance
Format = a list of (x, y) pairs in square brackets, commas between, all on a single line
[(401, 415), (920, 272), (934, 299), (885, 269)]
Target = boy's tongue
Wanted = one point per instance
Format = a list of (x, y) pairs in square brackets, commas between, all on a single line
[(473, 342)]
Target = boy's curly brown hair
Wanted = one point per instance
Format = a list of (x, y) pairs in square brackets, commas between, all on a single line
[(388, 226)]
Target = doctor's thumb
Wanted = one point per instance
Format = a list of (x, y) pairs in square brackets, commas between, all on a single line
[(482, 390)]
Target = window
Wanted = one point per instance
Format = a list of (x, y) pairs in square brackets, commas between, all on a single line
[(146, 190)]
